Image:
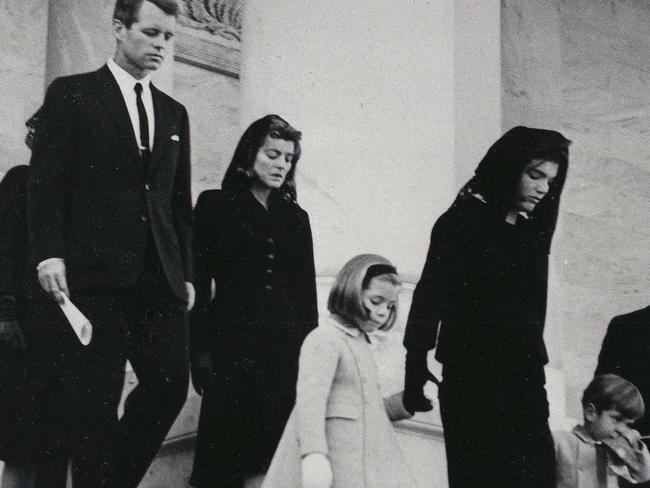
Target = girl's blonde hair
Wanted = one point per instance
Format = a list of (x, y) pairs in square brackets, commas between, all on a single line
[(345, 297)]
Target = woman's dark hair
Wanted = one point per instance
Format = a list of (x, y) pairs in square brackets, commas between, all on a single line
[(498, 173), (127, 11), (240, 172)]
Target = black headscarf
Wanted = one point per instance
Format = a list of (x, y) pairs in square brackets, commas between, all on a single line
[(498, 173)]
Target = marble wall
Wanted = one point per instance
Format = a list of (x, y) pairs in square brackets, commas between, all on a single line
[(586, 72), (395, 105), (212, 102), (23, 32), (79, 36), (605, 109)]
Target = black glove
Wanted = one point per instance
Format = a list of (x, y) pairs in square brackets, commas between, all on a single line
[(202, 371), (417, 374), (11, 334)]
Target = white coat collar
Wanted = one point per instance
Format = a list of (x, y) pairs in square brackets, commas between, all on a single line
[(581, 433), (339, 322)]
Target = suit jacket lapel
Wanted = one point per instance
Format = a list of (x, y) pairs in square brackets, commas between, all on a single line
[(161, 136), (111, 96)]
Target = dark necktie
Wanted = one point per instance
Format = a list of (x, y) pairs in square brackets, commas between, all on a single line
[(144, 128), (601, 465)]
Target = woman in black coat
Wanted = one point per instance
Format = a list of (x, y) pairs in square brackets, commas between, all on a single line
[(485, 283), (16, 441), (34, 404), (253, 243), (31, 395)]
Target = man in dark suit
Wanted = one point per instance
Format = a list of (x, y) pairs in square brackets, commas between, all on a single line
[(626, 352), (110, 224)]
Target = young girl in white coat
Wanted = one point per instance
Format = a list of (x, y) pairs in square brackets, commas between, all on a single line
[(339, 434)]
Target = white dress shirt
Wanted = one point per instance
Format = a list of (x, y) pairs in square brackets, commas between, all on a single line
[(126, 82)]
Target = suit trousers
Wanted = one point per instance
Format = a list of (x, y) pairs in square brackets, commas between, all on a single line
[(147, 325), (496, 428)]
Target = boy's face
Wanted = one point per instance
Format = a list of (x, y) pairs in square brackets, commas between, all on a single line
[(605, 424)]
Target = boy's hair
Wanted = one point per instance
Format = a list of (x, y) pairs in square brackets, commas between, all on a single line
[(610, 391), (127, 11), (345, 296)]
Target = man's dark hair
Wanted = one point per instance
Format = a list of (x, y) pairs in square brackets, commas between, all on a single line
[(126, 11)]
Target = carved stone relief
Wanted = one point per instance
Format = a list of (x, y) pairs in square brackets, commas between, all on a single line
[(219, 17), (210, 34)]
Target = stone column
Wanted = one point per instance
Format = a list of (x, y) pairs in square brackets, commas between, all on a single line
[(80, 39), (532, 63), (23, 33)]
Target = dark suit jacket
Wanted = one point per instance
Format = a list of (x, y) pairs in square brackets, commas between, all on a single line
[(90, 201), (626, 352)]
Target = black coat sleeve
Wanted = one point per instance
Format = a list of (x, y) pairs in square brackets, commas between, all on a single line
[(434, 291), (182, 199), (52, 155), (12, 234), (306, 296), (205, 245)]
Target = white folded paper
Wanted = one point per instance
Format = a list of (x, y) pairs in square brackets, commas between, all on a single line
[(78, 321)]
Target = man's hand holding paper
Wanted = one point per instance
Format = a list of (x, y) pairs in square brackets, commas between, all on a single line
[(51, 276)]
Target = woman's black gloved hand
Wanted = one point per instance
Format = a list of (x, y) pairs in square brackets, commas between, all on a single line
[(202, 371), (11, 334), (417, 374)]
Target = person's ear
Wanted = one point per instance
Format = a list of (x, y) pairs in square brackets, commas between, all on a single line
[(119, 29), (590, 412)]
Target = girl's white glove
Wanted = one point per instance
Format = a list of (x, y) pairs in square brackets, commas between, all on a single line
[(316, 471)]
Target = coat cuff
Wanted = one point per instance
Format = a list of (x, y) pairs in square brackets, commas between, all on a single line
[(45, 262)]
